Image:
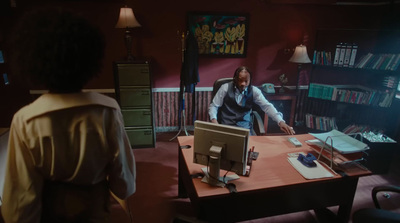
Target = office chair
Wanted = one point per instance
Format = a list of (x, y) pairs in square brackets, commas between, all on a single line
[(259, 127), (378, 215)]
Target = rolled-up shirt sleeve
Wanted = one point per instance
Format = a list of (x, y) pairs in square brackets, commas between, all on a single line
[(122, 176), (266, 106), (217, 101), (22, 194)]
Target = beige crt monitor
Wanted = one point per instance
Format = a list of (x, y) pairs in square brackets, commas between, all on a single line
[(220, 146)]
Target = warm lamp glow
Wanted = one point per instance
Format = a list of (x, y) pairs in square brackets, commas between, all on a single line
[(127, 19), (300, 55)]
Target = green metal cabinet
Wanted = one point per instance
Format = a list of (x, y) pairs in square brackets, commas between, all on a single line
[(133, 91)]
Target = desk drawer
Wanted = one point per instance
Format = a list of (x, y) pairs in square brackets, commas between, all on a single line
[(137, 117), (140, 137), (135, 97), (133, 74)]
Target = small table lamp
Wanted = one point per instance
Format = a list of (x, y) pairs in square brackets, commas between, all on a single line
[(300, 56), (127, 21)]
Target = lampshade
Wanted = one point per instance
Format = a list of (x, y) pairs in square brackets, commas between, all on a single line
[(300, 55), (127, 19)]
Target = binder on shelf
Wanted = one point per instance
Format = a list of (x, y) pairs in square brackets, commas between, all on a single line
[(347, 55), (337, 54), (353, 55), (342, 54)]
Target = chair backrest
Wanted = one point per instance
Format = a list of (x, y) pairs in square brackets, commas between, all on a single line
[(218, 83)]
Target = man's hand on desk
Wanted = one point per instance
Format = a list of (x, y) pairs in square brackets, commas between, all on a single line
[(214, 121), (286, 128)]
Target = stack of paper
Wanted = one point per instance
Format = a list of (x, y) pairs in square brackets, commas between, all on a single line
[(341, 142)]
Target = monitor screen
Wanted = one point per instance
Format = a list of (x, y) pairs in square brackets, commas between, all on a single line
[(228, 144)]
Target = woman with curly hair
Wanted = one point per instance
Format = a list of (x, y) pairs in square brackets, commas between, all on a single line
[(68, 148)]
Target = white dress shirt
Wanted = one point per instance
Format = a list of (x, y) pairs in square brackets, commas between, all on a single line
[(76, 138), (258, 99)]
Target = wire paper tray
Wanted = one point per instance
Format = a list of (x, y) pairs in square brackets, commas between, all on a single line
[(341, 142), (316, 145), (338, 148)]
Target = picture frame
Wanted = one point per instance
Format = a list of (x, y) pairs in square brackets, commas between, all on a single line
[(220, 34)]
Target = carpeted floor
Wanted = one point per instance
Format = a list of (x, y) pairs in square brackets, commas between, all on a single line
[(156, 199)]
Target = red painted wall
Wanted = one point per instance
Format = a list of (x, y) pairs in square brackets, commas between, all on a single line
[(272, 28)]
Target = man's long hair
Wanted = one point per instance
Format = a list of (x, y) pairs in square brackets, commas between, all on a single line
[(237, 72)]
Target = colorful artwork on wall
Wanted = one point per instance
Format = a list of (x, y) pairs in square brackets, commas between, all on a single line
[(220, 35)]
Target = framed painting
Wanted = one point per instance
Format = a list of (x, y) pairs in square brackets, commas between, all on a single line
[(220, 35)]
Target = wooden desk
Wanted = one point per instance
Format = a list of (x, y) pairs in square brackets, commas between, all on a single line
[(274, 187)]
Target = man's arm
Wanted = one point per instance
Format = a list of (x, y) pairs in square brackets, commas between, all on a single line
[(217, 102), (271, 111)]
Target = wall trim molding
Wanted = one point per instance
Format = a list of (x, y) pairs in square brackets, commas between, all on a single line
[(176, 89), (173, 89), (105, 91), (210, 88)]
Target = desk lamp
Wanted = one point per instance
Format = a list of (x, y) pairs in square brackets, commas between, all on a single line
[(127, 21), (299, 56)]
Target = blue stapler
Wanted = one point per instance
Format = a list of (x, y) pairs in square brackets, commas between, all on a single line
[(307, 160)]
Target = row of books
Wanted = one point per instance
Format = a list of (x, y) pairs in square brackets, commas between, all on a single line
[(354, 94), (320, 122), (322, 58), (353, 128), (390, 82), (386, 61)]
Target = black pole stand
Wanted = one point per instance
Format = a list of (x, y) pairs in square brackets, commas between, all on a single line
[(182, 120)]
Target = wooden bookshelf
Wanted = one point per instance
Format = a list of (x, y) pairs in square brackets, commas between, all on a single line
[(361, 91)]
